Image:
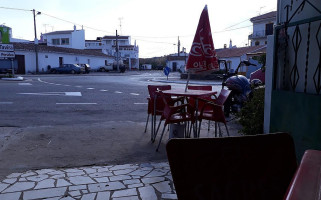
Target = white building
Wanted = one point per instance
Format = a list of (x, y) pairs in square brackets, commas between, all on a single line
[(177, 62), (51, 56), (127, 52), (262, 27), (68, 39), (233, 57)]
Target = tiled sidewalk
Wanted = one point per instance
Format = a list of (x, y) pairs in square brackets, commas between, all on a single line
[(118, 182)]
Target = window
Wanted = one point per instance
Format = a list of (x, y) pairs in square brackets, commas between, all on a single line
[(269, 29), (55, 41), (257, 43), (106, 63), (64, 41), (46, 56)]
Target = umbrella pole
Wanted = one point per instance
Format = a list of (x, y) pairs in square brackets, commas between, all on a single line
[(188, 77)]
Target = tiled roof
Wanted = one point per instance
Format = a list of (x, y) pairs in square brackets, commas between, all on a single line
[(270, 15), (52, 49), (114, 37), (59, 32), (237, 52)]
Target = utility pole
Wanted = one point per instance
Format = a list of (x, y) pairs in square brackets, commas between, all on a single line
[(36, 40), (117, 52), (178, 45)]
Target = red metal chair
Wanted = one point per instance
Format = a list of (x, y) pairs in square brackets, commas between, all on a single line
[(174, 114), (192, 101), (213, 111), (158, 110)]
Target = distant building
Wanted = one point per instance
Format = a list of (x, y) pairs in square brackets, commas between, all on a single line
[(177, 62), (74, 39), (127, 52), (52, 56), (233, 56), (262, 27)]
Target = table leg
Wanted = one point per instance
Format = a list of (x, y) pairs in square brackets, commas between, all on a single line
[(196, 135)]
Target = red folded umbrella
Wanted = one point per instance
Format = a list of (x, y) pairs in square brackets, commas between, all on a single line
[(202, 57)]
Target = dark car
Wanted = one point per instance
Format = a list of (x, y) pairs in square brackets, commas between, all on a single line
[(68, 69)]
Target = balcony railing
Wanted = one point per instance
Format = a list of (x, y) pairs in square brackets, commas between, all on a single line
[(257, 34)]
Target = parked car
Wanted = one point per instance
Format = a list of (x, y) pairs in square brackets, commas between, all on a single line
[(106, 68), (86, 67), (68, 68)]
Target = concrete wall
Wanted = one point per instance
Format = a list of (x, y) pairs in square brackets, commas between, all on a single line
[(297, 110)]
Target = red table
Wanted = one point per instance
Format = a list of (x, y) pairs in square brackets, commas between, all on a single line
[(306, 183), (189, 93)]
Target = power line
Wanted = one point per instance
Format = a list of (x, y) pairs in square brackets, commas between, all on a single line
[(14, 8), (134, 37), (237, 23)]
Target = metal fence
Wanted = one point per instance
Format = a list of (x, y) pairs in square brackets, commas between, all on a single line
[(297, 51)]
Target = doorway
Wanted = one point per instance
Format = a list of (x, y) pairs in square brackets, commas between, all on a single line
[(61, 61), (21, 64), (174, 66)]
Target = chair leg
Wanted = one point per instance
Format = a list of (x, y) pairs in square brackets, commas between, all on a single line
[(199, 129), (160, 140), (146, 123), (208, 128), (219, 129), (215, 129), (160, 121), (190, 129), (152, 128), (228, 134)]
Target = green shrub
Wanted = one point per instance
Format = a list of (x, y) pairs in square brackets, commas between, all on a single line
[(251, 116)]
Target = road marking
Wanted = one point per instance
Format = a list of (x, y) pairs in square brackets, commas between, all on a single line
[(76, 103), (79, 86), (6, 102), (90, 88), (118, 92), (24, 83), (75, 94), (57, 84), (134, 94), (66, 85), (140, 103), (103, 90)]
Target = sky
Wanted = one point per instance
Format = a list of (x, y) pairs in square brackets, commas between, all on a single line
[(154, 25)]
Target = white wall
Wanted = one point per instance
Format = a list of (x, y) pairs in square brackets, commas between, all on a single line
[(53, 60), (78, 39), (268, 83), (180, 64)]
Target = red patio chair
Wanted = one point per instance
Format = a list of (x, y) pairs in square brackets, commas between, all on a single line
[(175, 114), (159, 104), (192, 101), (213, 111)]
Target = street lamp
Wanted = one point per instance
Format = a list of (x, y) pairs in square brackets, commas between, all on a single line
[(36, 39)]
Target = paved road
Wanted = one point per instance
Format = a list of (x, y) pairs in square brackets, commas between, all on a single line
[(76, 120)]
